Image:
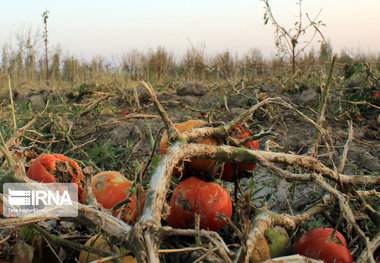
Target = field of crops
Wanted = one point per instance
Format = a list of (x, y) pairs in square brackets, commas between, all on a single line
[(315, 163)]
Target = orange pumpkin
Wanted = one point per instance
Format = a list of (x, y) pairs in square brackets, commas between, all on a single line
[(110, 188), (199, 165), (57, 168), (229, 168), (101, 243), (194, 196), (261, 252), (314, 244)]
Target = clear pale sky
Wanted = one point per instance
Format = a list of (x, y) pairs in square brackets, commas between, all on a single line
[(113, 27)]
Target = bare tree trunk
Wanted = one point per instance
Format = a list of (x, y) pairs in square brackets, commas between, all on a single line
[(45, 16)]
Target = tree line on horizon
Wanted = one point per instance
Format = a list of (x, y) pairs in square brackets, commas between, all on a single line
[(26, 62)]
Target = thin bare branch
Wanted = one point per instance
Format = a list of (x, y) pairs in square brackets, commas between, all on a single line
[(322, 108), (171, 129), (21, 131), (343, 158)]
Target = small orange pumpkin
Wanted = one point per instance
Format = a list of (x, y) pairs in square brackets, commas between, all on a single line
[(199, 165), (101, 243), (194, 196), (57, 168), (229, 168), (110, 188)]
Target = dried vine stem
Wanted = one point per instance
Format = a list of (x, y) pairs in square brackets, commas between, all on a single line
[(222, 131), (240, 155), (12, 104), (5, 152), (15, 222), (267, 219), (322, 108), (87, 216), (172, 130), (348, 213), (146, 235), (160, 180), (156, 195), (362, 103), (214, 237), (156, 198), (346, 147), (374, 245), (319, 128), (250, 111), (64, 242), (218, 243), (293, 259), (369, 193), (159, 185), (21, 131)]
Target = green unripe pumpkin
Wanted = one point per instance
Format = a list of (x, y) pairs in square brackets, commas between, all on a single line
[(278, 241)]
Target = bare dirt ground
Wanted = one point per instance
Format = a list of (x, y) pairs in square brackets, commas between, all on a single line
[(290, 130)]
